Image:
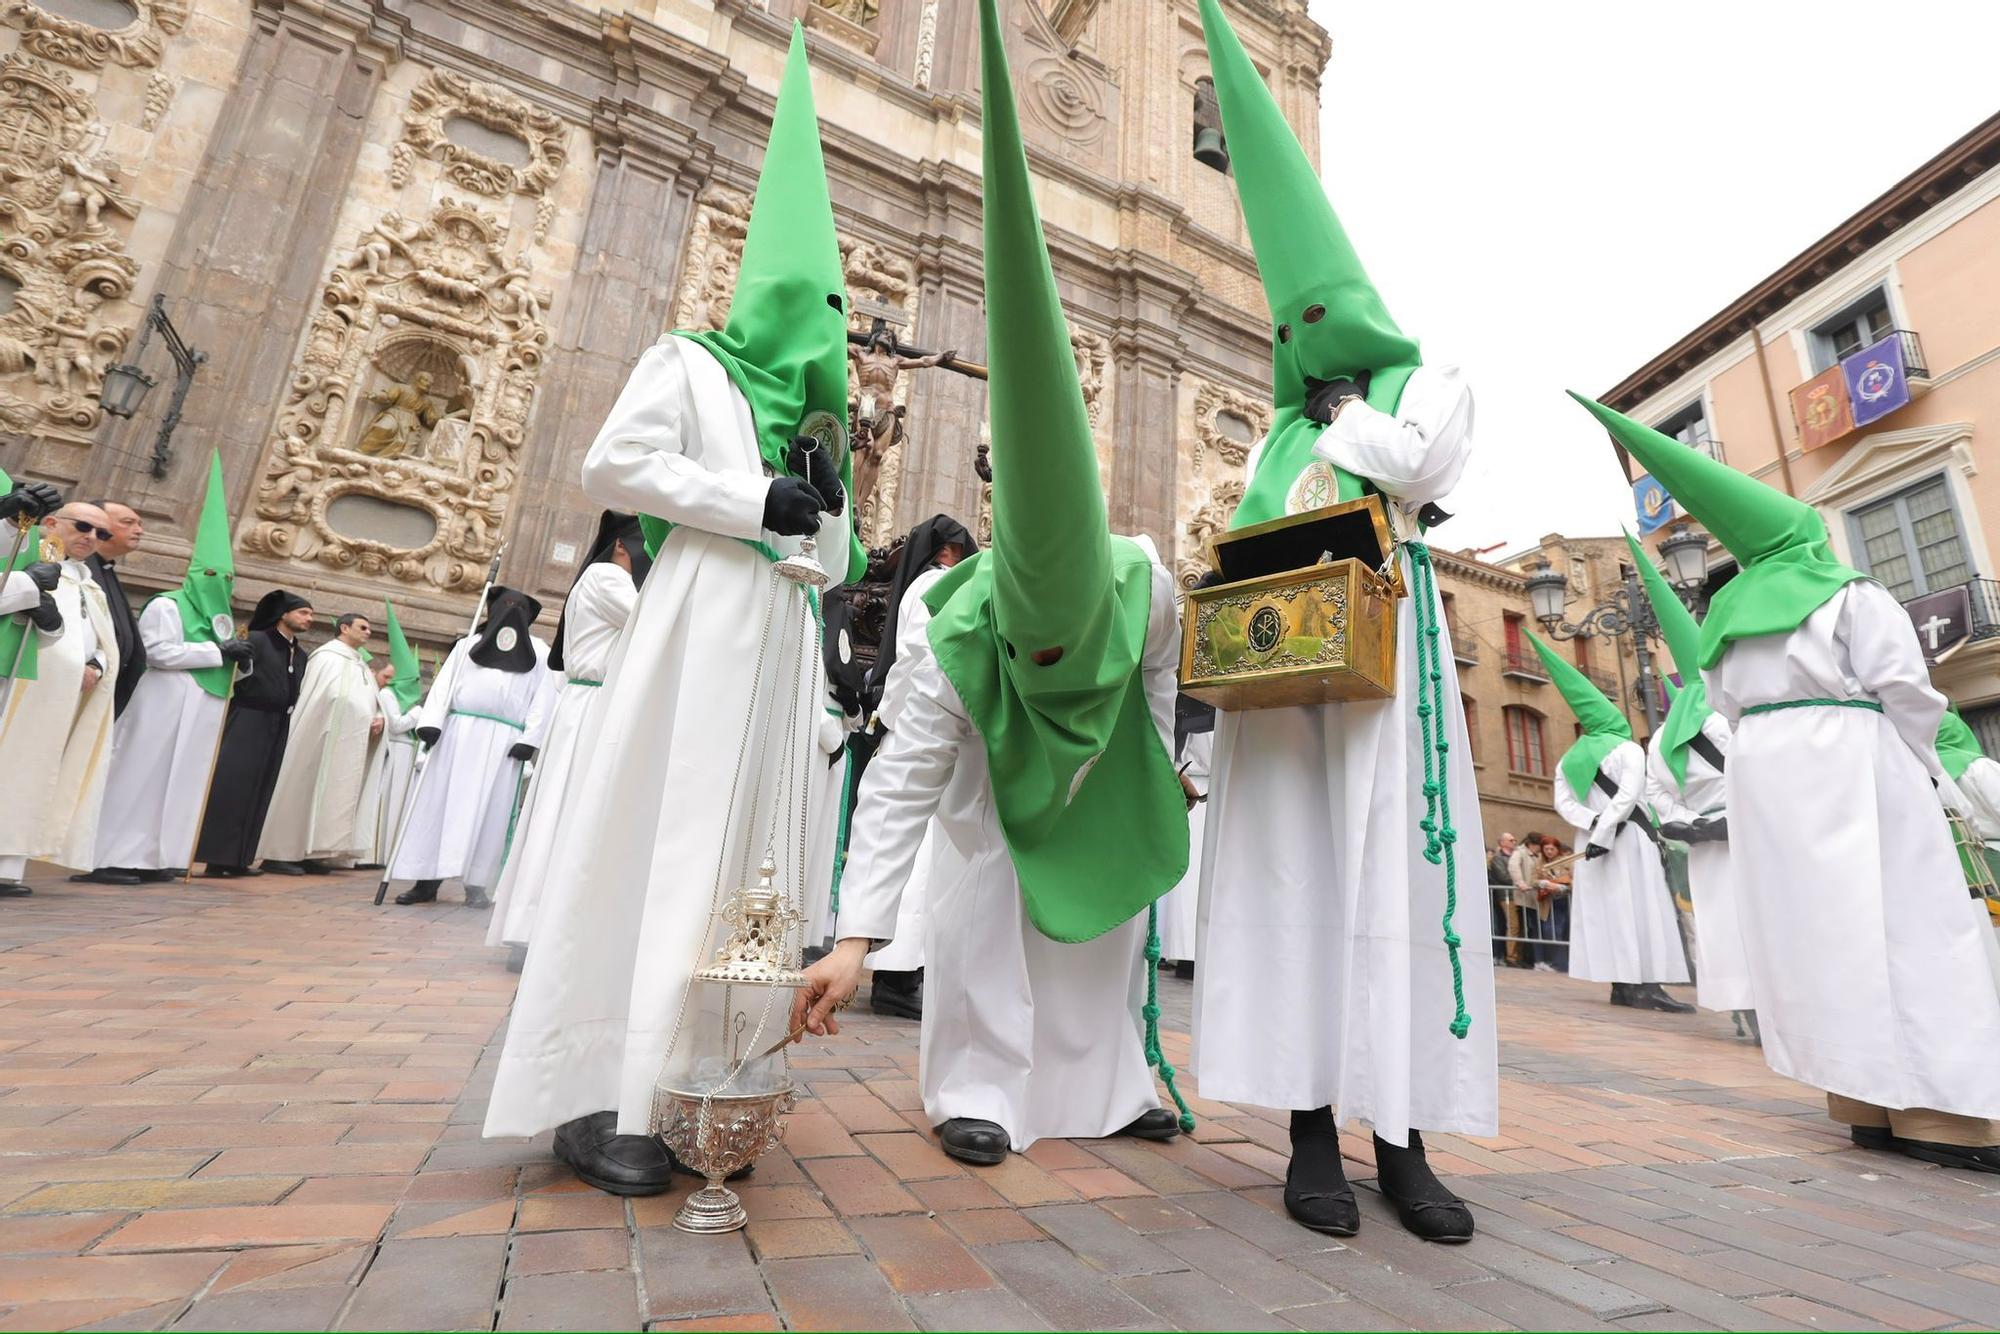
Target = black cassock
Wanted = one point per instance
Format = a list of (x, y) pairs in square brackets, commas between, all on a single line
[(253, 745), (124, 628)]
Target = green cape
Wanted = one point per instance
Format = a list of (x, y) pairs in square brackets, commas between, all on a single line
[(1085, 790), (20, 647), (209, 583), (785, 344), (408, 687), (1788, 568), (1306, 260), (1957, 747), (1689, 709), (1604, 727)]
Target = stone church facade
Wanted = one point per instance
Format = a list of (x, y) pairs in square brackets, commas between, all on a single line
[(421, 244)]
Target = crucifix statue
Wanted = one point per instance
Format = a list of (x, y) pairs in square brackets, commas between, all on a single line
[(878, 360)]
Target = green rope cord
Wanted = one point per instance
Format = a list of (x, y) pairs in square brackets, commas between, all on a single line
[(489, 717), (840, 835), (1440, 837), (1154, 1056), (1813, 704)]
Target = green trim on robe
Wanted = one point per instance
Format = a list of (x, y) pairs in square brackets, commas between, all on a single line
[(1957, 747)]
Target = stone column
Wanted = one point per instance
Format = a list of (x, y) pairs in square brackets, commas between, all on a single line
[(947, 410), (1149, 354)]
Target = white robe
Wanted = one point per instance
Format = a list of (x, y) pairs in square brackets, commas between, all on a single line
[(392, 758), (463, 802), (672, 811), (1980, 786), (56, 741), (1722, 974), (316, 803), (1868, 958), (163, 750), (1180, 910), (594, 614), (1622, 923), (1040, 1037), (829, 771), (1324, 976)]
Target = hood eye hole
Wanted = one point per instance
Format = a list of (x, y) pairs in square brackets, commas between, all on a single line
[(833, 299), (1314, 314), (1284, 333)]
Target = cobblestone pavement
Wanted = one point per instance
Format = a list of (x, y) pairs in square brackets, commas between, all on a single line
[(257, 1106)]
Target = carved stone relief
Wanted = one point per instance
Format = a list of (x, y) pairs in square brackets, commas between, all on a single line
[(444, 97), (1227, 425), (80, 45), (1066, 102), (62, 207), (413, 390)]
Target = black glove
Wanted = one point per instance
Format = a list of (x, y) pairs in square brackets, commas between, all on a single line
[(1594, 851), (45, 616), (1712, 831), (429, 736), (236, 652), (521, 751), (810, 460), (1680, 831), (1323, 397), (44, 575), (792, 507), (34, 499)]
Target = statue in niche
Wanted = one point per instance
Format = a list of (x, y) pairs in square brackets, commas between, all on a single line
[(89, 188), (878, 360), (407, 417), (863, 12), (66, 352), (387, 237)]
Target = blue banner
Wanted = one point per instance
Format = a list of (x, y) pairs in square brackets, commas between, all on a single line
[(1655, 506), (1876, 382)]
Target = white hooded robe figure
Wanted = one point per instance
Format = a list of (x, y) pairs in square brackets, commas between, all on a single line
[(316, 806), (1722, 974), (1622, 924), (594, 614), (164, 750), (392, 759)]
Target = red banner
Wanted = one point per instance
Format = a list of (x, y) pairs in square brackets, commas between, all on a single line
[(1822, 409)]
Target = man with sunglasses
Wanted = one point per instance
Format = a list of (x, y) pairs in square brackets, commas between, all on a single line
[(55, 711)]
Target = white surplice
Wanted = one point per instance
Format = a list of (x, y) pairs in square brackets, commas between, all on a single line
[(392, 758), (55, 740), (1039, 1037), (1622, 923), (672, 809), (461, 805), (830, 768), (316, 803), (1870, 965), (1180, 910), (163, 750), (593, 616), (1324, 976), (1722, 973)]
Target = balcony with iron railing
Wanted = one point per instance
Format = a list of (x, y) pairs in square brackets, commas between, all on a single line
[(1522, 664), (1914, 365), (1985, 595), (1464, 647)]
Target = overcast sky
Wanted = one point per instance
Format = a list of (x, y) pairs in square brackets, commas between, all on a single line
[(1550, 194)]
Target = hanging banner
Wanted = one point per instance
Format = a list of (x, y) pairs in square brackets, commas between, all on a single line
[(1655, 506), (1820, 407), (1877, 383)]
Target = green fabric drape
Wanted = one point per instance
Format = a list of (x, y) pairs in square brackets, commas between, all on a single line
[(1604, 727)]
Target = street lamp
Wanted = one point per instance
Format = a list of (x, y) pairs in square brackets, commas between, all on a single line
[(1685, 552), (1625, 612), (126, 384)]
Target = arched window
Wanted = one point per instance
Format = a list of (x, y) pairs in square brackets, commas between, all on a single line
[(1524, 741)]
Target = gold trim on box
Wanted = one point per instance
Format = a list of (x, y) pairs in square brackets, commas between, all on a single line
[(1321, 635)]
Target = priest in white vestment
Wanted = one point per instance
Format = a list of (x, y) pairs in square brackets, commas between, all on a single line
[(55, 727), (314, 826), (594, 614), (1870, 963), (392, 756)]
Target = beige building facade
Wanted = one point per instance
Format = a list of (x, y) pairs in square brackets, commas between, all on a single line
[(1912, 496), (422, 245)]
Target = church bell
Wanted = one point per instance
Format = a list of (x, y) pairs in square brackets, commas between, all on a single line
[(1210, 148)]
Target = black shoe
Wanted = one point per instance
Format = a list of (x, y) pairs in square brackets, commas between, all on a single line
[(283, 868), (1621, 994), (14, 889), (368, 866), (1423, 1204), (424, 891), (1160, 1123), (1649, 996), (217, 871), (161, 874), (476, 898), (978, 1142), (1872, 1137), (1317, 1195), (899, 995), (517, 958), (105, 875), (1950, 1155), (1184, 969), (615, 1164), (317, 866)]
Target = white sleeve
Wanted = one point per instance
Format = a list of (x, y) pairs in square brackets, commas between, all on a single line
[(542, 708), (614, 598), (1883, 652), (1162, 661), (899, 795), (1980, 784), (1418, 453), (167, 648), (912, 645), (1663, 794), (438, 703), (647, 458), (19, 593), (1569, 807), (1627, 767)]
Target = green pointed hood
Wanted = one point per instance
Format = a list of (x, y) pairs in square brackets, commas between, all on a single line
[(1957, 747), (785, 344), (408, 687), (1306, 262), (1604, 727), (1788, 567), (1071, 747), (205, 591), (1689, 708)]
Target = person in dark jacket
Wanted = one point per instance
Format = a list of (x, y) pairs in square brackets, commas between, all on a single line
[(253, 737)]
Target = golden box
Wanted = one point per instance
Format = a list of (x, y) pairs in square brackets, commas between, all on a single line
[(1306, 616)]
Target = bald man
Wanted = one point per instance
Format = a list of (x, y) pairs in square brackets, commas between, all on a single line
[(127, 529)]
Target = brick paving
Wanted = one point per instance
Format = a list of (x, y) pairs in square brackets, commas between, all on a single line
[(256, 1106)]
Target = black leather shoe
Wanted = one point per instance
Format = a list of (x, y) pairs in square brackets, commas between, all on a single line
[(979, 1142), (283, 868), (14, 889), (106, 875), (898, 995), (315, 866), (1184, 969), (1160, 1123), (1332, 1211), (218, 871), (1649, 996), (1621, 994), (1423, 1204), (424, 891), (476, 898), (1872, 1137), (1950, 1155), (162, 874), (615, 1164)]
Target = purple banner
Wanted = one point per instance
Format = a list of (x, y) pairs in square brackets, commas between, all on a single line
[(1876, 383)]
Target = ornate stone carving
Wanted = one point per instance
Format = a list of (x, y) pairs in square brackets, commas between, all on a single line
[(401, 159), (1212, 405), (1070, 105), (67, 41), (1226, 425), (854, 11), (1210, 519), (59, 199), (444, 96), (1092, 351), (927, 21), (414, 388), (159, 96)]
